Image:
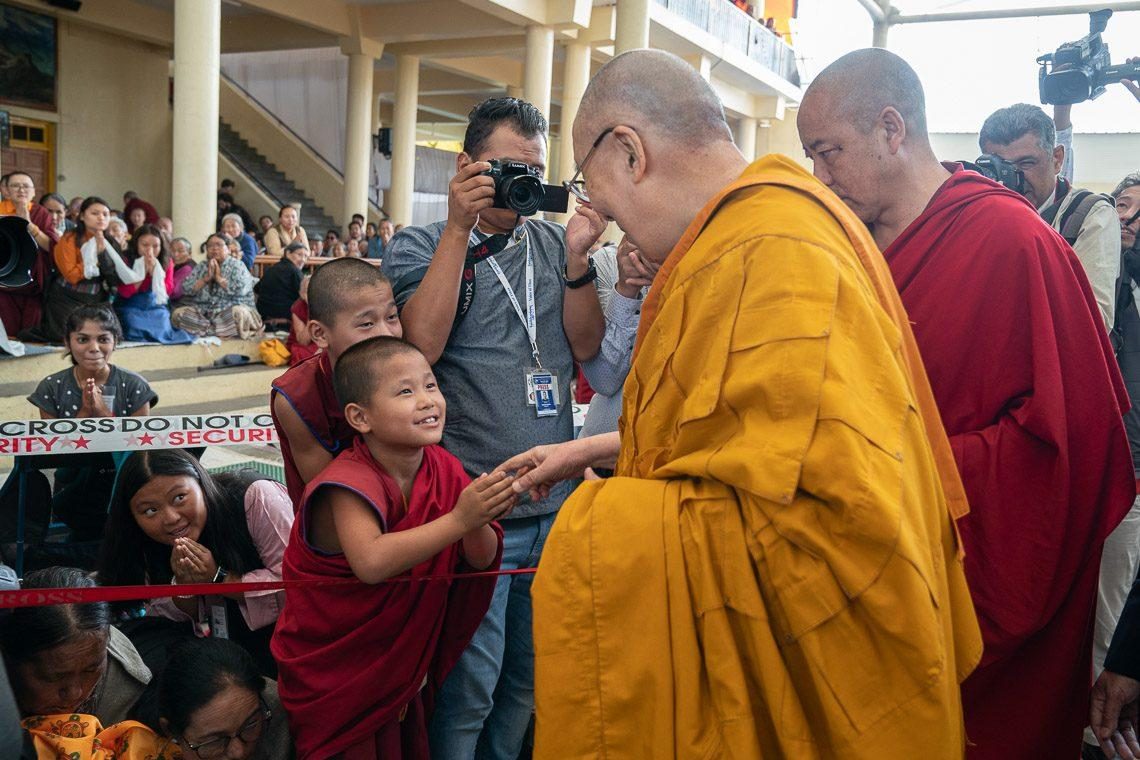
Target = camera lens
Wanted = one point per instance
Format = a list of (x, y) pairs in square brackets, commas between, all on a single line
[(523, 195)]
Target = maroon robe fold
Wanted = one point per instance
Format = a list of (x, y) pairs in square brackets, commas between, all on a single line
[(1031, 399), (352, 659), (308, 387)]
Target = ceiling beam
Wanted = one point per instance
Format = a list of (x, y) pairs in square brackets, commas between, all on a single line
[(424, 20), (497, 70), (331, 16), (460, 47)]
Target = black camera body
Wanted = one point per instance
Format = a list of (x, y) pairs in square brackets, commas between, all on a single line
[(519, 187), (999, 170), (1086, 67)]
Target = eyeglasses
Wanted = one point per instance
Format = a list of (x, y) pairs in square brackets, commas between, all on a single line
[(21, 186), (248, 733), (577, 186)]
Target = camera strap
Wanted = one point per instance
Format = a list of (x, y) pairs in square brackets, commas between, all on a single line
[(475, 253)]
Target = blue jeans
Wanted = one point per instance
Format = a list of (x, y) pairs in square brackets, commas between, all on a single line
[(485, 705)]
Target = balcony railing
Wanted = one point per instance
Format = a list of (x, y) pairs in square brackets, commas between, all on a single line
[(738, 30)]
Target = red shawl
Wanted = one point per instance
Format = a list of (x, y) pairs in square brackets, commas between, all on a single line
[(308, 387), (1032, 399), (352, 657)]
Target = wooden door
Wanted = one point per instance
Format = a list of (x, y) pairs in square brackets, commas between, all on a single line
[(30, 150)]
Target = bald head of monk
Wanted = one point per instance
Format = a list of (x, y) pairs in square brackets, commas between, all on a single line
[(862, 122), (653, 146)]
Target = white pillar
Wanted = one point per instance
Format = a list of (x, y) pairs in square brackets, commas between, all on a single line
[(399, 197), (197, 60), (358, 137), (514, 92), (575, 77), (879, 34), (746, 138), (538, 73), (632, 25)]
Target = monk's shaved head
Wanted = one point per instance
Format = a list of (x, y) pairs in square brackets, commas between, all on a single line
[(861, 84), (655, 89)]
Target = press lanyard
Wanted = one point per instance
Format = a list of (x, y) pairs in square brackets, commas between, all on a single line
[(528, 319)]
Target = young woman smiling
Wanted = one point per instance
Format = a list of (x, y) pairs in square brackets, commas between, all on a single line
[(171, 522)]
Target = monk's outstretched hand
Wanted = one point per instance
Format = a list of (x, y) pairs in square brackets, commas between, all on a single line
[(1114, 714)]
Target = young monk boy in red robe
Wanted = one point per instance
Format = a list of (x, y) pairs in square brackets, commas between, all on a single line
[(349, 301), (358, 663), (1026, 384)]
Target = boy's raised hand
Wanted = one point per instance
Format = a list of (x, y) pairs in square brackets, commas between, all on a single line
[(487, 498)]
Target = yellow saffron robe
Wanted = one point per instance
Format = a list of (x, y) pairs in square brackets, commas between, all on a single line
[(774, 571)]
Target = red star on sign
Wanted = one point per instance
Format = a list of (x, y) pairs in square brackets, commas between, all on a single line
[(81, 442), (146, 439)]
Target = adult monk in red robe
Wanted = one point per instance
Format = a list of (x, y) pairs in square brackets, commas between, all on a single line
[(22, 307), (1024, 379)]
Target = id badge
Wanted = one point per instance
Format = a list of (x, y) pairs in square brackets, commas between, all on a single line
[(218, 625), (542, 392)]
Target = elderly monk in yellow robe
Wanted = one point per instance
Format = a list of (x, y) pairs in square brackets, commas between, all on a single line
[(773, 572)]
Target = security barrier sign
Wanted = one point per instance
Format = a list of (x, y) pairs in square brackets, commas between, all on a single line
[(98, 434)]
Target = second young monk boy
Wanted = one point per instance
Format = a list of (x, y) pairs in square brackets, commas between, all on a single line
[(349, 301)]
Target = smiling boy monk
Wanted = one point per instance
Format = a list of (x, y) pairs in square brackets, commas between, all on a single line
[(349, 301), (359, 662)]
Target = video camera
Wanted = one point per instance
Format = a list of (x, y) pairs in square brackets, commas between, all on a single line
[(1079, 71), (17, 252), (518, 187), (1000, 171)]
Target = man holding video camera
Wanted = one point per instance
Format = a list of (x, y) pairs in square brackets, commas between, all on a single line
[(501, 305), (1024, 135)]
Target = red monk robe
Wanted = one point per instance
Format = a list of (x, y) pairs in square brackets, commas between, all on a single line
[(1031, 399), (352, 659), (308, 387)]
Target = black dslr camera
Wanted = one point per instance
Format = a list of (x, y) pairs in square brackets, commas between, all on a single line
[(1086, 67), (519, 187), (999, 170)]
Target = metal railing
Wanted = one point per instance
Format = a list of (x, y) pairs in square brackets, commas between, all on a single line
[(373, 192), (724, 21)]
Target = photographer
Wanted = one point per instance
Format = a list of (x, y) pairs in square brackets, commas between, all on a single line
[(495, 300), (1024, 135), (1062, 120)]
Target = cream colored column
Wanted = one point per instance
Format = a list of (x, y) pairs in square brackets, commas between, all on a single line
[(400, 195), (575, 77), (358, 137), (746, 138), (538, 71), (632, 25), (514, 92), (197, 59)]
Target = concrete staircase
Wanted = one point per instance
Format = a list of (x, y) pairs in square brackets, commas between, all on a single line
[(272, 181)]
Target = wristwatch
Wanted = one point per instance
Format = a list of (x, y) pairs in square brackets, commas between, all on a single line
[(586, 279), (220, 576)]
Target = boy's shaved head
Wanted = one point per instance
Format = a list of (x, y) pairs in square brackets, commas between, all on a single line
[(360, 368), (333, 285)]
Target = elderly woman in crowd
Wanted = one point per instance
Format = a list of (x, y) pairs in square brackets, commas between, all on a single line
[(118, 229), (22, 307), (68, 658), (57, 207), (182, 254), (142, 304), (287, 230), (232, 226), (221, 293), (213, 703)]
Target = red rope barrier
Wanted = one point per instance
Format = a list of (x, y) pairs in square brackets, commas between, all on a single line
[(46, 597)]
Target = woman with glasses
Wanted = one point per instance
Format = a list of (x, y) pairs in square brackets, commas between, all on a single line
[(213, 703)]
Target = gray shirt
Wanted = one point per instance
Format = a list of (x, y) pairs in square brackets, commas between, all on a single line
[(482, 371)]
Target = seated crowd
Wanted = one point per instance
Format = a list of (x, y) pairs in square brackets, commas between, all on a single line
[(89, 253), (776, 505)]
